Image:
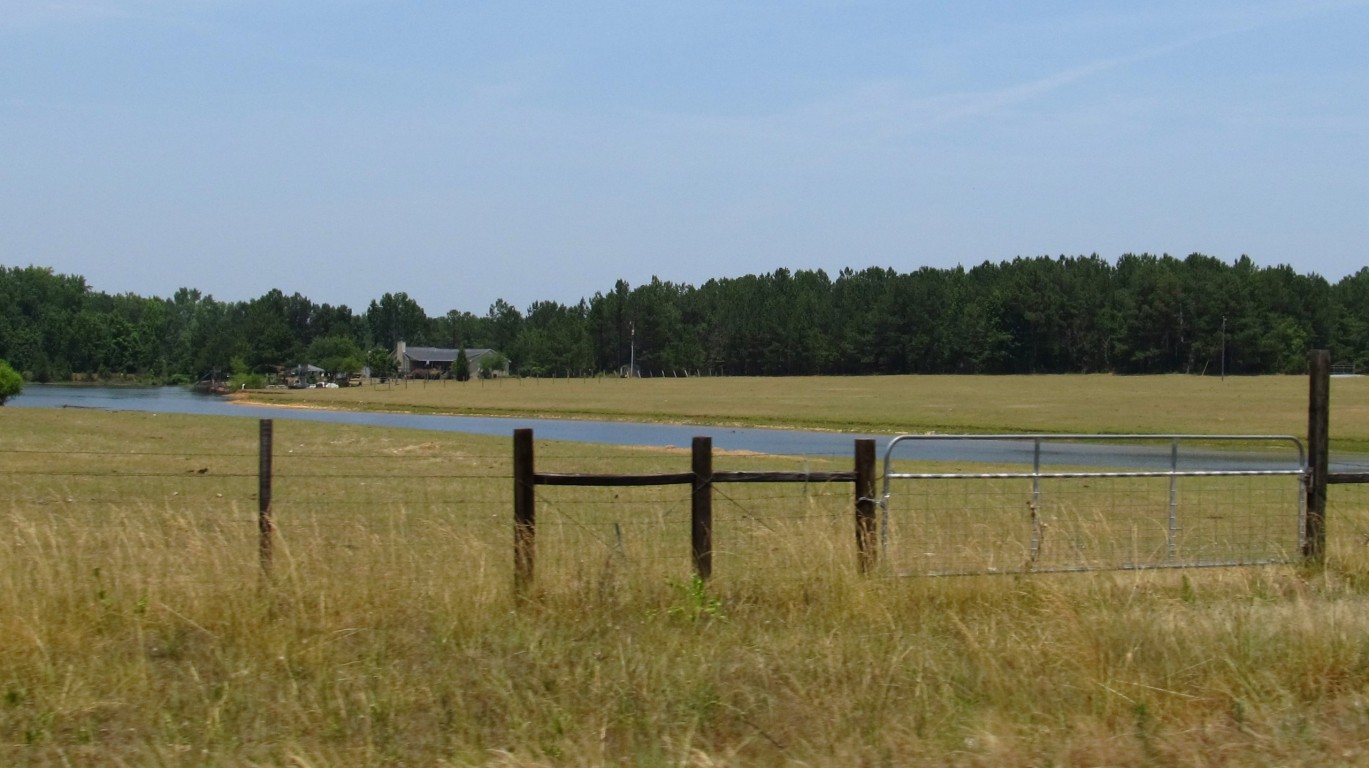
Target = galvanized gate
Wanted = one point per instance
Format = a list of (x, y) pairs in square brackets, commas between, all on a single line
[(1035, 502)]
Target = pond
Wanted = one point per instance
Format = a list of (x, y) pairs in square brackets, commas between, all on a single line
[(182, 400), (766, 441)]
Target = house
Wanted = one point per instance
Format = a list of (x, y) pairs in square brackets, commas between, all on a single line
[(436, 362)]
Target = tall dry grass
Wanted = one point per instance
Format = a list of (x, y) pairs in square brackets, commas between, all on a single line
[(136, 628)]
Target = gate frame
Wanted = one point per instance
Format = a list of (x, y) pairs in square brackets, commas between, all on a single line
[(1304, 523)]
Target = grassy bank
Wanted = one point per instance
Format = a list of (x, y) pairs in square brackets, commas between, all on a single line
[(135, 627), (891, 404)]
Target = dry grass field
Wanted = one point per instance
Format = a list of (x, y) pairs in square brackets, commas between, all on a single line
[(890, 404), (136, 627)]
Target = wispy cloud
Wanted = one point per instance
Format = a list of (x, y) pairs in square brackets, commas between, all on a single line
[(887, 108), (969, 105)]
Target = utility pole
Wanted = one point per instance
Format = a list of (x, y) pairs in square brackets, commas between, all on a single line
[(632, 349), (1223, 347)]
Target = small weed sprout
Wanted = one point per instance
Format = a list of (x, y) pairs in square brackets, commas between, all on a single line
[(695, 603)]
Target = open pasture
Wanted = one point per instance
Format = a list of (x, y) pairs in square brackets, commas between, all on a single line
[(136, 628), (891, 404)]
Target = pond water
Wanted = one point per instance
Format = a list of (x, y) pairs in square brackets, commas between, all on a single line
[(767, 441), (182, 400)]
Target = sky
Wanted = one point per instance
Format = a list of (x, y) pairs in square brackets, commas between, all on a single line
[(463, 152)]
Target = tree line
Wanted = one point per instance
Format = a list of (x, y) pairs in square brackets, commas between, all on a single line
[(1083, 314)]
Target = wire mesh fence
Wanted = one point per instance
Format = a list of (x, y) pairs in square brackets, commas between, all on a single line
[(1190, 508), (344, 509), (103, 517), (399, 512), (644, 523), (778, 530), (110, 479), (974, 525), (349, 509), (1347, 522)]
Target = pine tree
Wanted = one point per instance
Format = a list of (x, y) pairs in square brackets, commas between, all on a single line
[(461, 367)]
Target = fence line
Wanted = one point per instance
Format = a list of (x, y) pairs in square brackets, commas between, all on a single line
[(228, 475), (701, 478)]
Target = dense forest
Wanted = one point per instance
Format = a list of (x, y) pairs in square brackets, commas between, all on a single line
[(1141, 314)]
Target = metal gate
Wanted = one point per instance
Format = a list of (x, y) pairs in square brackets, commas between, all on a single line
[(966, 504)]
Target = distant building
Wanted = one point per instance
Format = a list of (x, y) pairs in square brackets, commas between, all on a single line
[(302, 376), (435, 362)]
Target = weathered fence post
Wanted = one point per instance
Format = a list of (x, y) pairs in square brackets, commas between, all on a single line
[(265, 526), (524, 516), (1318, 454), (867, 550), (701, 508)]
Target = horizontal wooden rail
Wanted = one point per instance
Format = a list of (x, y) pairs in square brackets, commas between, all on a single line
[(747, 476), (613, 481), (685, 478), (701, 478), (1346, 478)]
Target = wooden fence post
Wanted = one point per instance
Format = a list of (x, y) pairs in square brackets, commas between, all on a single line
[(1318, 455), (701, 508), (867, 549), (524, 515), (265, 526)]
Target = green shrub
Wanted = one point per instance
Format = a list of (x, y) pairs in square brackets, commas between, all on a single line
[(11, 383), (240, 381)]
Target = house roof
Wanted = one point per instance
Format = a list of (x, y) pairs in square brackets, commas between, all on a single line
[(440, 355)]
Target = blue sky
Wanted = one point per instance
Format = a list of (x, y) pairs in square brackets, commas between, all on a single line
[(465, 152)]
